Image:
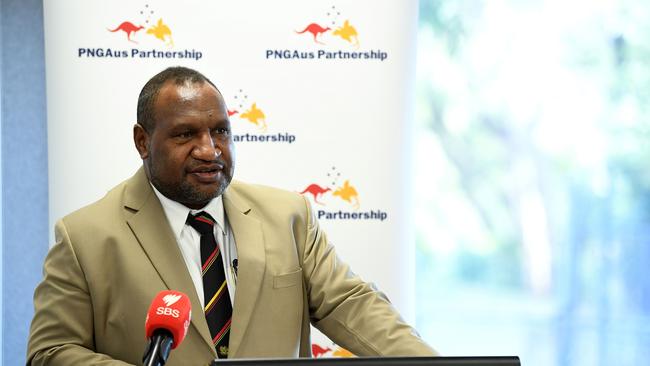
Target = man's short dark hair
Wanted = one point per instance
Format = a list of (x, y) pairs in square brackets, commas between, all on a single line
[(147, 99)]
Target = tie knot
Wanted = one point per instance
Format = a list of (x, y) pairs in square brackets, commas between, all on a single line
[(202, 222)]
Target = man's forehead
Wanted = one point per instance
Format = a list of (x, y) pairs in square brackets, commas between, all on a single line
[(187, 89), (173, 96)]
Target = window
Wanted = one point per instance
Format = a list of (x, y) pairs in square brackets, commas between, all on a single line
[(533, 180)]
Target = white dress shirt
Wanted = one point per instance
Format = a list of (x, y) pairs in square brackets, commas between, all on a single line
[(189, 240)]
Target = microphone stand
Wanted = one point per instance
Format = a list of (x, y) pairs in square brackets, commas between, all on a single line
[(158, 348)]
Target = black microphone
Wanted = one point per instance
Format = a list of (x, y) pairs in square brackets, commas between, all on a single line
[(166, 326)]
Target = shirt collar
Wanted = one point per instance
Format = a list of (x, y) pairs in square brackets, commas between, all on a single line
[(177, 212)]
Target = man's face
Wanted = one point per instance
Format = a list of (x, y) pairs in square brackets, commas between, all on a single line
[(189, 154)]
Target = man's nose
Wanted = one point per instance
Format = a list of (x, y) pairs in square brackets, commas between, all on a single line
[(206, 148)]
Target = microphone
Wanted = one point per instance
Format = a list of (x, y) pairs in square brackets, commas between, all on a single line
[(166, 326)]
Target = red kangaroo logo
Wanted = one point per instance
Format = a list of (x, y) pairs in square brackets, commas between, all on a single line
[(318, 351), (315, 190), (315, 30), (128, 28)]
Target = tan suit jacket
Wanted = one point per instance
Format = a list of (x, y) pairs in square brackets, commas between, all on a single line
[(111, 259)]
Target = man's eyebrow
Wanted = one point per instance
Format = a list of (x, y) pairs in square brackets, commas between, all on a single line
[(183, 126), (220, 120)]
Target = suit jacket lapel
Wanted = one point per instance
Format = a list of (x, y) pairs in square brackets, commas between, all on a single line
[(149, 224), (249, 240)]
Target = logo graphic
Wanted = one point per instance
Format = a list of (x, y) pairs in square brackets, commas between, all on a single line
[(146, 28), (171, 299), (315, 30), (160, 30), (319, 351), (335, 37), (186, 323), (342, 353), (128, 28), (338, 351), (248, 115), (348, 33), (250, 112), (343, 197), (315, 190), (345, 31), (256, 116), (346, 192)]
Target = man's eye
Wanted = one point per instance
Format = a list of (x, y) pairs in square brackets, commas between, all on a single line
[(184, 134), (221, 131)]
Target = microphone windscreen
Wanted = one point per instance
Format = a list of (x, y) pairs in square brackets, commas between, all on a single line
[(170, 311)]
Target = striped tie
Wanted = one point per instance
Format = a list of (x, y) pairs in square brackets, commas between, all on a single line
[(218, 308)]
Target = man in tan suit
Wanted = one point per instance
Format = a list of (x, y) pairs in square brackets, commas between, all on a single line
[(111, 258)]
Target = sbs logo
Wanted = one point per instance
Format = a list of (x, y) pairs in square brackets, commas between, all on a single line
[(171, 299), (168, 312)]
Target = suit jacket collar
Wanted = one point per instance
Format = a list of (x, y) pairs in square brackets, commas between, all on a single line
[(149, 224), (249, 240), (147, 220)]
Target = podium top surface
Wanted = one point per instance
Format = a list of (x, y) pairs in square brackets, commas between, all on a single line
[(378, 361)]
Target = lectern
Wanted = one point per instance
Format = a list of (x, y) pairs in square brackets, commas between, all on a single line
[(377, 361)]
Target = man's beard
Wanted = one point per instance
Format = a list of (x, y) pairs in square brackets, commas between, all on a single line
[(185, 192)]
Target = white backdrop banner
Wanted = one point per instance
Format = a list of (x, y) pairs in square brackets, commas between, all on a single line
[(319, 93)]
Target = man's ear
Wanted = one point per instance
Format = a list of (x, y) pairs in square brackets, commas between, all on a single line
[(141, 140)]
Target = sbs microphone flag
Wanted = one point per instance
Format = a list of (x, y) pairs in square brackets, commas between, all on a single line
[(166, 326)]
